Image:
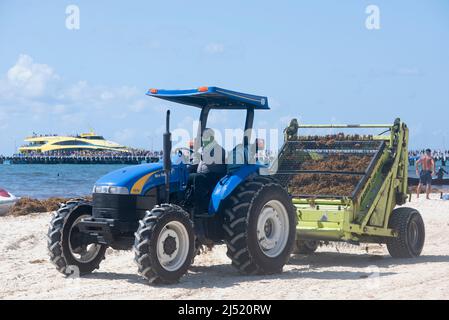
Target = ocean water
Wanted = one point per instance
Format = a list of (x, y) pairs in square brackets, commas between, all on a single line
[(61, 180)]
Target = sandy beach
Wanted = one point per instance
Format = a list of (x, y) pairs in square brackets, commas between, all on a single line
[(334, 272)]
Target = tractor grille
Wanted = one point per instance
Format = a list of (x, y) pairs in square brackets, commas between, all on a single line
[(326, 167), (122, 207)]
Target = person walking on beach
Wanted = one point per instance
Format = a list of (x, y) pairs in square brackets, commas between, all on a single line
[(427, 170)]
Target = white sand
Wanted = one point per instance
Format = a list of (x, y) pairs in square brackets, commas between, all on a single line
[(25, 272)]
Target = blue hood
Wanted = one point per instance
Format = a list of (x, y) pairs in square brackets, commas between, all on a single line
[(128, 176)]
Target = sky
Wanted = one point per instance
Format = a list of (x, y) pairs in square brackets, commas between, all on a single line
[(315, 60)]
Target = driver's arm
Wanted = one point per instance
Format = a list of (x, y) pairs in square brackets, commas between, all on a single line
[(196, 156)]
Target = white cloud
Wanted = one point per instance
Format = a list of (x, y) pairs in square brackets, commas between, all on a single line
[(83, 92), (59, 109), (107, 95), (75, 91), (189, 124), (138, 105), (126, 92), (3, 120), (120, 116), (407, 71), (214, 48), (125, 136), (410, 71), (33, 97), (27, 83), (29, 79), (154, 44)]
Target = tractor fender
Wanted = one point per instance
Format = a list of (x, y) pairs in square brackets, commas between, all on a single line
[(229, 183)]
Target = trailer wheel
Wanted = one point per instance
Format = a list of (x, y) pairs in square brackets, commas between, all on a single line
[(306, 246), (409, 225), (260, 226), (164, 246), (66, 253)]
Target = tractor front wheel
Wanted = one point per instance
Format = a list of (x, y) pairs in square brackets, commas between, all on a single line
[(409, 226), (68, 252), (164, 246), (260, 226)]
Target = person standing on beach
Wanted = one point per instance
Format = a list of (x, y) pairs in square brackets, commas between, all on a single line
[(427, 170)]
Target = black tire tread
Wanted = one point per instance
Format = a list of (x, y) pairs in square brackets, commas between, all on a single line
[(144, 255), (235, 227), (399, 220), (55, 237)]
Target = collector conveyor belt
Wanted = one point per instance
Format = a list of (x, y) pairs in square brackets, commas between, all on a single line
[(297, 157)]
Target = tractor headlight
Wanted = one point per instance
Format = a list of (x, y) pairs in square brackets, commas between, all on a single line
[(110, 189), (118, 190), (100, 189)]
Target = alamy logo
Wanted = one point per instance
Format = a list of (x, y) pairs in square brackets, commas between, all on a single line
[(72, 20), (72, 272), (372, 22), (72, 282)]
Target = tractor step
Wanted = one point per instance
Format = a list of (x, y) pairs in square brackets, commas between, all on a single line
[(116, 234)]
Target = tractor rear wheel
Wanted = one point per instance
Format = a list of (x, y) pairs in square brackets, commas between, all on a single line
[(164, 246), (67, 251), (260, 226), (409, 225), (306, 246)]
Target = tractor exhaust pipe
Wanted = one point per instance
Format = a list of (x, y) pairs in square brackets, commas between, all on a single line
[(167, 145)]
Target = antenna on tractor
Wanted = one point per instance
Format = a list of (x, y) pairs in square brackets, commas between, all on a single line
[(167, 153)]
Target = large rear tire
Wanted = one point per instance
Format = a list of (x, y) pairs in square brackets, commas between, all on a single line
[(164, 246), (260, 226), (68, 257), (409, 225)]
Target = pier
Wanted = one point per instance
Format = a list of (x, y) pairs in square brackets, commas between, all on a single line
[(125, 159)]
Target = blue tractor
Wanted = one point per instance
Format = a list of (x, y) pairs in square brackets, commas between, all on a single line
[(151, 207)]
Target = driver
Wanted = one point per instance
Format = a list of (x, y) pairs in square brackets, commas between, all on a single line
[(211, 168)]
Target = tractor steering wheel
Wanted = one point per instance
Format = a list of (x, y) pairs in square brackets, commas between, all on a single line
[(185, 153)]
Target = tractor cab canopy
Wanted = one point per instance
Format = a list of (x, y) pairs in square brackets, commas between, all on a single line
[(208, 98), (212, 97)]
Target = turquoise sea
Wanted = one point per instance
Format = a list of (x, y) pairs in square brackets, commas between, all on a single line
[(59, 180)]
